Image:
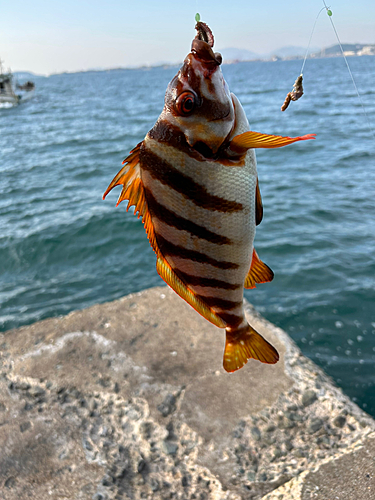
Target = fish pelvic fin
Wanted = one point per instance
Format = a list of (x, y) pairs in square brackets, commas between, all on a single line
[(132, 190), (259, 272), (258, 205), (245, 343), (166, 272), (248, 140)]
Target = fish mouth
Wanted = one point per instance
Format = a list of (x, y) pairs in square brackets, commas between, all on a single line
[(204, 33), (202, 45)]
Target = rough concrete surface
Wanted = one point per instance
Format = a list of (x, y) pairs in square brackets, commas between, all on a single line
[(129, 400)]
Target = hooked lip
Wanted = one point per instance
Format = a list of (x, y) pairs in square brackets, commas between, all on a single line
[(204, 33), (203, 51), (202, 46)]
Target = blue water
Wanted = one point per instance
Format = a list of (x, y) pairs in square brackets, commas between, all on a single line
[(63, 248)]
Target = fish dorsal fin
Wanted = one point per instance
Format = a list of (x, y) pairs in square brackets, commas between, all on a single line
[(258, 205), (250, 139), (166, 272), (259, 272), (130, 178)]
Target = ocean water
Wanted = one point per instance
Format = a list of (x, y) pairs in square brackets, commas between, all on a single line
[(62, 248)]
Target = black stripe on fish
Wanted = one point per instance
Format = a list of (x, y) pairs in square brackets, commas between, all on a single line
[(192, 280), (165, 132), (232, 320), (215, 302), (169, 134), (168, 248), (165, 173), (165, 215)]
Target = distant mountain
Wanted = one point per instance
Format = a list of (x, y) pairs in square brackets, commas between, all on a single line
[(293, 51), (24, 74), (234, 54), (335, 49), (358, 49)]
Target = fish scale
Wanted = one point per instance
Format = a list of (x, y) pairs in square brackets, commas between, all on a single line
[(226, 184), (193, 180)]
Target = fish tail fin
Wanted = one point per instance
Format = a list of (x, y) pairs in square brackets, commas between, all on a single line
[(244, 343)]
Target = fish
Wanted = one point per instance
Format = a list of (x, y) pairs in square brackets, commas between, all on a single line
[(193, 181)]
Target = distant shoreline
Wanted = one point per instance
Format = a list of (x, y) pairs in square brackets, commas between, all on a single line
[(350, 50)]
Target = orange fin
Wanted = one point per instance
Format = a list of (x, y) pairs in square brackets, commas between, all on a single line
[(246, 343), (259, 272), (249, 140), (166, 272), (258, 205), (130, 178)]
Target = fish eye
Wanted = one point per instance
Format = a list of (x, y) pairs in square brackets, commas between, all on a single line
[(185, 103)]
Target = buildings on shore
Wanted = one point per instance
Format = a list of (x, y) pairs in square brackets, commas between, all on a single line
[(287, 53), (349, 49)]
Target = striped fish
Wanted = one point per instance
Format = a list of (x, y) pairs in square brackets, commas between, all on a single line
[(193, 180)]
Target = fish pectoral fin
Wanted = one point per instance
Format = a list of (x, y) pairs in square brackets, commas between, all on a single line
[(259, 272), (258, 205), (250, 139), (166, 272), (246, 343), (130, 178)]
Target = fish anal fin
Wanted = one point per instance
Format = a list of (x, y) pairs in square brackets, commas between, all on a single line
[(259, 272), (166, 272), (246, 343), (258, 205), (250, 139)]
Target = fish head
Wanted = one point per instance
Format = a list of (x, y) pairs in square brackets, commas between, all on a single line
[(198, 101)]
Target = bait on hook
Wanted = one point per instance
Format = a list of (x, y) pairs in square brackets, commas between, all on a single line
[(297, 88), (296, 93)]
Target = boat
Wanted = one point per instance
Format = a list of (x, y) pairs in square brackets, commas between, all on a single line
[(8, 95), (28, 86)]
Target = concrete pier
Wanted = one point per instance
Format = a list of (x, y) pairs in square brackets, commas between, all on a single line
[(129, 400)]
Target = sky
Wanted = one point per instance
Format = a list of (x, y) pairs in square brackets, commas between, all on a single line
[(53, 36)]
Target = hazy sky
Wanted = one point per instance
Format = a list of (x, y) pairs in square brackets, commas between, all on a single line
[(72, 35)]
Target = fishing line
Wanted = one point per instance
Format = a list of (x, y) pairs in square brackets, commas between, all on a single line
[(350, 72), (297, 91), (307, 50)]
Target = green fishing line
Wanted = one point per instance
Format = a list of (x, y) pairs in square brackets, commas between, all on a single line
[(197, 17)]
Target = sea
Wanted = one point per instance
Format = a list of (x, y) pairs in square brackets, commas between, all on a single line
[(63, 248)]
